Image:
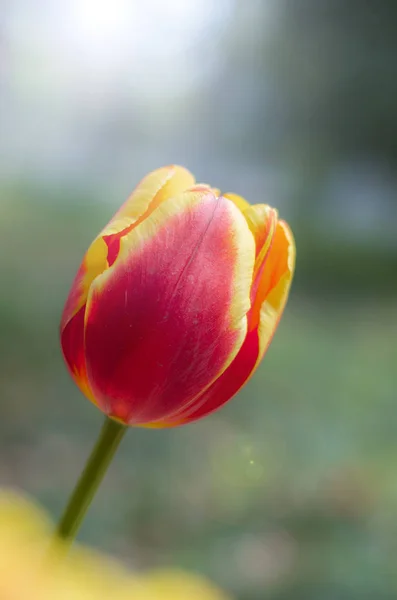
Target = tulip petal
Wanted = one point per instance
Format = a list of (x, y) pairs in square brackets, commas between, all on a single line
[(224, 388), (272, 294), (274, 277), (239, 201), (262, 220), (72, 321), (72, 342), (153, 189), (170, 315), (275, 284), (93, 264), (148, 195)]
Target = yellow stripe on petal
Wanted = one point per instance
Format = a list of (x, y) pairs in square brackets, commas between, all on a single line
[(239, 201), (244, 245)]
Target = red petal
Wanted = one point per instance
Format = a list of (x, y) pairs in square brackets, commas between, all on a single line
[(170, 315), (272, 293)]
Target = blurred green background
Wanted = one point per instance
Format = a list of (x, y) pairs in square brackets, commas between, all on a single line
[(290, 492)]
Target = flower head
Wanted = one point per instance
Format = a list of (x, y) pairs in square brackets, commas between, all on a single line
[(176, 301)]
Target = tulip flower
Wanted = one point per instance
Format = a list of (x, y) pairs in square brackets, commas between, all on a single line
[(171, 311), (176, 301)]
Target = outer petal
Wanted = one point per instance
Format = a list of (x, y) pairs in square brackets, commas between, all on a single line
[(72, 341), (274, 285), (170, 315), (262, 221), (152, 190), (156, 187), (272, 294)]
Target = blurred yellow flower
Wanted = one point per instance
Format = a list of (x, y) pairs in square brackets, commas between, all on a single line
[(29, 572)]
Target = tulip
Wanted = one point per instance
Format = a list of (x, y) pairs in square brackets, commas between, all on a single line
[(176, 301), (171, 311)]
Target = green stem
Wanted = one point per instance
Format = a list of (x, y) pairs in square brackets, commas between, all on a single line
[(90, 479)]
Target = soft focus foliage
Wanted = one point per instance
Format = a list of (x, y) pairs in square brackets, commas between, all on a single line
[(28, 571)]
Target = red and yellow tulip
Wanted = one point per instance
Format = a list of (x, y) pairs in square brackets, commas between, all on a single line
[(176, 301)]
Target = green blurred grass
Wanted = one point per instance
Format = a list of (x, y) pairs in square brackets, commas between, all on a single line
[(288, 492)]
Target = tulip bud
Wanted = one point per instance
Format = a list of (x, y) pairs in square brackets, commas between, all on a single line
[(176, 301)]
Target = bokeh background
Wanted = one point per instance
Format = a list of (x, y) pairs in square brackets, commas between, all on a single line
[(290, 492)]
